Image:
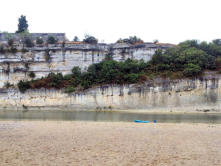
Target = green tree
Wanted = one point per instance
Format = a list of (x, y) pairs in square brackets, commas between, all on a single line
[(76, 39), (130, 40), (22, 24), (23, 86), (10, 42), (192, 70), (90, 39), (39, 40), (51, 40), (28, 42), (217, 42), (32, 74), (76, 71)]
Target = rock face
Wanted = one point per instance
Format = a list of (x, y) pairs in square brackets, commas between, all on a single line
[(58, 58), (201, 95)]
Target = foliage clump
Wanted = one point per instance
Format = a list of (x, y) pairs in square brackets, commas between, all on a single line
[(31, 74), (39, 41), (106, 72), (23, 86), (51, 40), (131, 40), (90, 39)]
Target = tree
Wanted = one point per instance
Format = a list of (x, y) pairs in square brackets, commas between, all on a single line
[(90, 39), (10, 42), (76, 71), (131, 40), (217, 42), (51, 40), (192, 70), (76, 39), (32, 74), (23, 36), (22, 24), (28, 42), (39, 40), (155, 41)]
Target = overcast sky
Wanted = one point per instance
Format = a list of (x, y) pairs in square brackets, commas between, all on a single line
[(169, 21)]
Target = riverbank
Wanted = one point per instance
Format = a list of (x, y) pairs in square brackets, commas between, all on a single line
[(105, 143)]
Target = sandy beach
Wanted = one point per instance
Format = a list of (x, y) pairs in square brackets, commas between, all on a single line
[(24, 143)]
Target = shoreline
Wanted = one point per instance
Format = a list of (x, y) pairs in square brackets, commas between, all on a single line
[(141, 111)]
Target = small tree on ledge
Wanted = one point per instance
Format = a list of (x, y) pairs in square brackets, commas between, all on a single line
[(51, 40), (90, 39)]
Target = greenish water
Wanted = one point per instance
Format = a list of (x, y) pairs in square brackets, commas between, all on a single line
[(113, 116)]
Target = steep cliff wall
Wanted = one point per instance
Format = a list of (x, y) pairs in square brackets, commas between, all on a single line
[(43, 60), (161, 95)]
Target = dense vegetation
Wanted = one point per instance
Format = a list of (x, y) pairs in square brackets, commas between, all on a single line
[(188, 59), (90, 39), (130, 40), (106, 72)]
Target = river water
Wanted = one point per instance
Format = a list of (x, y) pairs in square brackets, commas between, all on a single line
[(112, 116)]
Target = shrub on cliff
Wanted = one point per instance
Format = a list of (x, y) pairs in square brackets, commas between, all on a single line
[(131, 40), (56, 80), (12, 50), (28, 42), (90, 39), (51, 40), (10, 42), (23, 86), (69, 89), (39, 40), (131, 78), (8, 85), (2, 49), (192, 70), (31, 74)]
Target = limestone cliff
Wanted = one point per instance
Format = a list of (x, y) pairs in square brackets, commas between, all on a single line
[(202, 94), (58, 58)]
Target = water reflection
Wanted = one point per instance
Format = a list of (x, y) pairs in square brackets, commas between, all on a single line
[(114, 116)]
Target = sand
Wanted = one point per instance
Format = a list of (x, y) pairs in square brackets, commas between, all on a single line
[(104, 143)]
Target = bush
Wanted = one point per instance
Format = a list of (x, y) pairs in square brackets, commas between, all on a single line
[(23, 86), (69, 89), (13, 50), (76, 71), (23, 50), (218, 62), (39, 40), (131, 40), (56, 80), (8, 85), (131, 78), (28, 42), (192, 70), (32, 74), (51, 40), (2, 50), (90, 39), (10, 42)]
